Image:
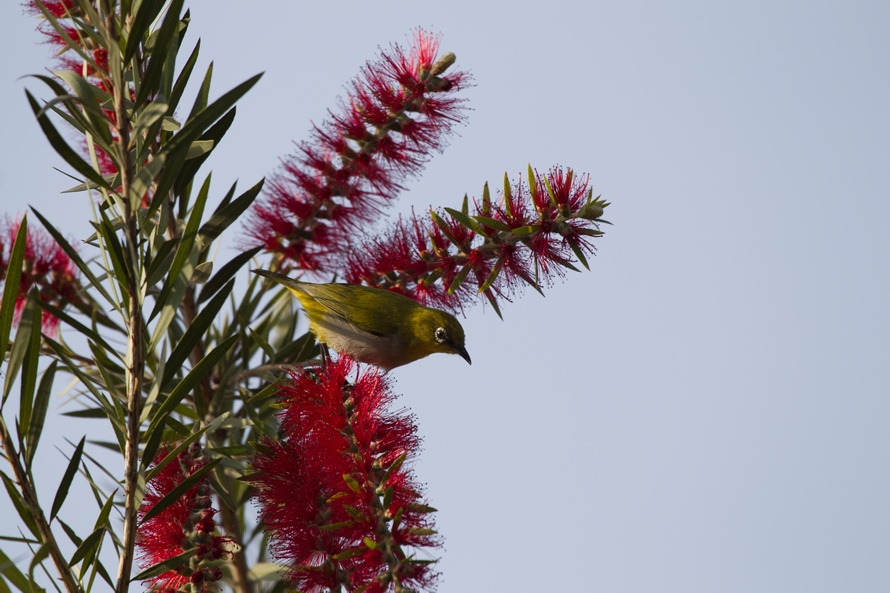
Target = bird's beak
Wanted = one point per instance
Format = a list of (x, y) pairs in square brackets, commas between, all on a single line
[(464, 354)]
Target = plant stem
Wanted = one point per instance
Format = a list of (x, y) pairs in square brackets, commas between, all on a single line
[(135, 366), (29, 496)]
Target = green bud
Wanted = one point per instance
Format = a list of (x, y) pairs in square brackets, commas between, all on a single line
[(444, 63)]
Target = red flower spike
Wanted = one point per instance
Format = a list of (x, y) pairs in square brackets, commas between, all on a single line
[(322, 489), (534, 233), (46, 266), (398, 111), (187, 523)]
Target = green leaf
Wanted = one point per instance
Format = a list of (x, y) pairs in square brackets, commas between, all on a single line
[(508, 196), (183, 387), (111, 179), (492, 222), (576, 248), (180, 489), (493, 275), (226, 214), (147, 13), (193, 334), (225, 273), (459, 278), (185, 74), (75, 257), (166, 566), (144, 177), (465, 220), (11, 287), (61, 147), (24, 355), (183, 254), (196, 125), (11, 573), (199, 148), (38, 413), (532, 181), (443, 226), (67, 479), (18, 502), (186, 173), (88, 546), (90, 99), (165, 44), (352, 483), (148, 117)]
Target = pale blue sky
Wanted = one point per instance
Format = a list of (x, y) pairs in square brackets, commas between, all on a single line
[(706, 409)]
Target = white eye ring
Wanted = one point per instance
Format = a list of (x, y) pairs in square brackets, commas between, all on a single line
[(441, 335)]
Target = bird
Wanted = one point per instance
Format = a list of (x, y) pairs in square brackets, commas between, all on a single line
[(373, 325)]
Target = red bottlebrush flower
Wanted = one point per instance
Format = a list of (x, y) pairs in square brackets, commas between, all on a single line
[(335, 495), (445, 259), (398, 111), (46, 266), (184, 525)]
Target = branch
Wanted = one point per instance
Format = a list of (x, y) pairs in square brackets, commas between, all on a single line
[(29, 496)]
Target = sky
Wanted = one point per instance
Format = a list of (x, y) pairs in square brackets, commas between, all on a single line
[(706, 409)]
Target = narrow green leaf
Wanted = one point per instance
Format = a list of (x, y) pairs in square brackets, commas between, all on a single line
[(198, 148), (11, 573), (166, 566), (186, 174), (88, 546), (352, 483), (144, 178), (465, 220), (148, 116), (494, 303), (229, 213), (67, 479), (196, 125), (183, 387), (38, 413), (443, 226), (459, 278), (94, 282), (576, 248), (147, 13), (11, 286), (185, 74), (61, 147), (23, 356), (194, 333), (532, 182), (508, 196), (524, 231), (492, 222), (180, 489), (90, 99), (225, 273), (183, 250), (165, 44), (111, 179), (493, 275), (18, 502)]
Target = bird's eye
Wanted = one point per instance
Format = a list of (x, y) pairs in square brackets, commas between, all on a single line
[(441, 335)]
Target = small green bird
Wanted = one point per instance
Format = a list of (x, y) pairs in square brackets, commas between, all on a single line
[(372, 325)]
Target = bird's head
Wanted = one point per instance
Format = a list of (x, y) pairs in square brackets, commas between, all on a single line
[(437, 331)]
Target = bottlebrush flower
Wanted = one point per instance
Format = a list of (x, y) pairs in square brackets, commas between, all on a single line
[(46, 266), (187, 524), (445, 259), (398, 111), (336, 497)]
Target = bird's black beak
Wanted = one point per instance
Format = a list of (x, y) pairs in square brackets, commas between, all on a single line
[(464, 354)]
